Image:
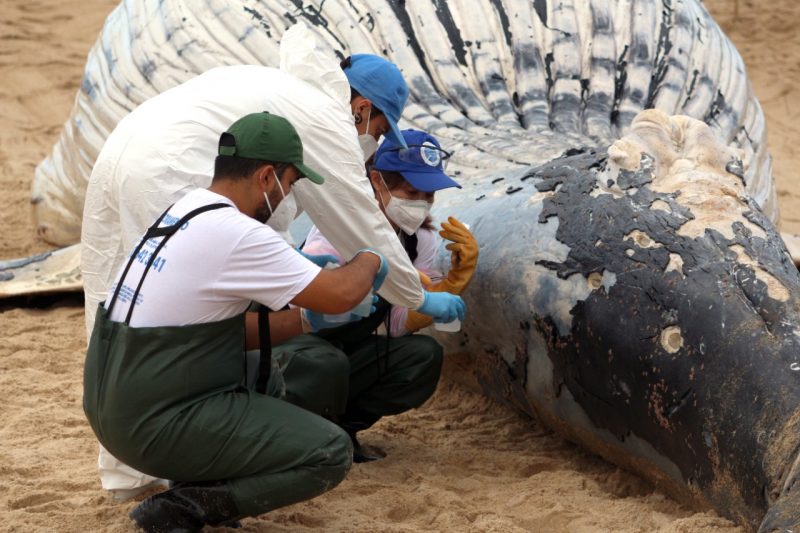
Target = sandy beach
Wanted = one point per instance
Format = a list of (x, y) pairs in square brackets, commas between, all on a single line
[(460, 463)]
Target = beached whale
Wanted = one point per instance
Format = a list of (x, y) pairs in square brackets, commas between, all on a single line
[(633, 292), (639, 302)]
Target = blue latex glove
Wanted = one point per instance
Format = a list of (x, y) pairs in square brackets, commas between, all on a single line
[(319, 260), (383, 270), (443, 306)]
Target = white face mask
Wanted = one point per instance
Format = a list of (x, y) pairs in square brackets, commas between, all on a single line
[(367, 142), (283, 215), (407, 214)]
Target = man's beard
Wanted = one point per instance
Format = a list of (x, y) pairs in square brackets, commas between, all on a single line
[(263, 213)]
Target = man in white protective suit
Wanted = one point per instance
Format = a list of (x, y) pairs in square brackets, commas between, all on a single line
[(166, 147)]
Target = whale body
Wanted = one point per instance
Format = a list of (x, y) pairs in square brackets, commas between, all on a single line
[(503, 83), (636, 300), (632, 291)]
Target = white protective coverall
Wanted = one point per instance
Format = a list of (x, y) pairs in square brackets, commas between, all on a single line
[(166, 148)]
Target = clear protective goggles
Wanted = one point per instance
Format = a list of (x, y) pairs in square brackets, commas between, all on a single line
[(425, 154)]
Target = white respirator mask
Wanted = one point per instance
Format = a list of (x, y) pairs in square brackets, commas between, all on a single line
[(367, 142), (284, 214), (409, 215)]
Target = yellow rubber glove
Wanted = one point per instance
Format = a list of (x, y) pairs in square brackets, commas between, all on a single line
[(416, 321), (425, 280), (463, 257)]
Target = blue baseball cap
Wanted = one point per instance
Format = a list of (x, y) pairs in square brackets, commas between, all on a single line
[(381, 82), (421, 162)]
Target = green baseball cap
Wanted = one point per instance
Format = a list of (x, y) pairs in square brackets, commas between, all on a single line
[(266, 137)]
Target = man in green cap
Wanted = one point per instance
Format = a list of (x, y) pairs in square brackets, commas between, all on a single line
[(164, 374)]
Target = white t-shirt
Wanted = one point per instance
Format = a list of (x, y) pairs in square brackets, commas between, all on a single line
[(211, 269)]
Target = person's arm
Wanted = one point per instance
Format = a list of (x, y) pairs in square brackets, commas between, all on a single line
[(344, 207), (331, 291), (349, 217), (341, 289), (403, 321), (283, 325), (410, 321)]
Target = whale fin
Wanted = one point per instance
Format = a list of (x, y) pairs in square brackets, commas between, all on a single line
[(793, 245), (49, 272)]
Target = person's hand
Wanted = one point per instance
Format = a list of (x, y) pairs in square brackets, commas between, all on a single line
[(443, 306), (464, 247), (321, 259), (463, 256), (383, 269)]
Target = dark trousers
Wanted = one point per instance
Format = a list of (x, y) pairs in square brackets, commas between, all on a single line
[(169, 402), (371, 379)]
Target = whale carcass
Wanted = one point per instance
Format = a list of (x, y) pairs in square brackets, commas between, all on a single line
[(649, 311), (633, 292)]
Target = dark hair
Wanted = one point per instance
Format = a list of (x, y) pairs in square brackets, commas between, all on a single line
[(346, 63), (395, 179), (234, 168), (391, 178)]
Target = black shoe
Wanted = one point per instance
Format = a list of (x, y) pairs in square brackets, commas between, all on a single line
[(353, 421), (187, 507), (364, 453)]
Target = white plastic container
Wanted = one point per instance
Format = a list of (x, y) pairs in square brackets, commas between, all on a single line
[(341, 317), (364, 308), (450, 327), (337, 319)]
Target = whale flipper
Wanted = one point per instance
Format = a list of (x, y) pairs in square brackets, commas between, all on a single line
[(49, 272)]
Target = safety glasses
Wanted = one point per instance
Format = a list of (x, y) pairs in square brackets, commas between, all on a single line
[(423, 154)]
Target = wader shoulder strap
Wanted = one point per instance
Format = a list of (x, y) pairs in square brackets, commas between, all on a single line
[(130, 261), (265, 349), (155, 231)]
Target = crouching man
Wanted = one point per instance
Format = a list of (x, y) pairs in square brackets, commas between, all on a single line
[(165, 367)]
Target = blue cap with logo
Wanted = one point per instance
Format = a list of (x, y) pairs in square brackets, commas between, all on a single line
[(421, 163), (381, 82)]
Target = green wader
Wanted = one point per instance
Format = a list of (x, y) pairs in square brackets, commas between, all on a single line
[(169, 402), (358, 376)]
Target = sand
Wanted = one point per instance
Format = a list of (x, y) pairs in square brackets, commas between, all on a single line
[(460, 463)]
